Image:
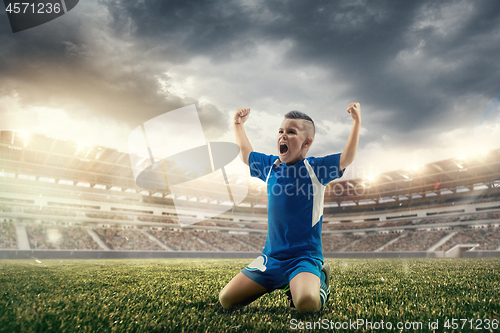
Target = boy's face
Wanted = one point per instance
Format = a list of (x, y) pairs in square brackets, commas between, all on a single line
[(293, 142)]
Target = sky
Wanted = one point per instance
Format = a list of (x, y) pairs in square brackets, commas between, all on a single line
[(422, 71)]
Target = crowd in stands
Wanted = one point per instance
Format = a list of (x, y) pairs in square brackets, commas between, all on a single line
[(8, 237), (371, 242), (259, 226), (230, 225), (419, 205), (420, 221), (252, 243), (488, 238), (256, 240), (127, 239), (206, 224), (449, 219), (470, 217), (180, 241), (210, 238), (397, 223), (224, 241), (417, 241), (331, 226), (49, 211), (37, 235), (349, 226), (17, 200), (222, 218), (77, 238), (60, 238), (157, 219), (109, 216), (334, 243), (482, 216)]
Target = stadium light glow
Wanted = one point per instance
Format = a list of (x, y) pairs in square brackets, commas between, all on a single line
[(55, 137), (416, 168), (24, 136), (82, 146), (370, 179)]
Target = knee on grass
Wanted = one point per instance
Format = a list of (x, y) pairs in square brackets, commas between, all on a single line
[(225, 300), (307, 303)]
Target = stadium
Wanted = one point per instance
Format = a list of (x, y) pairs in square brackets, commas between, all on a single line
[(76, 212)]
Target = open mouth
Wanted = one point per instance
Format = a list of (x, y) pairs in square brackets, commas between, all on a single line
[(283, 148)]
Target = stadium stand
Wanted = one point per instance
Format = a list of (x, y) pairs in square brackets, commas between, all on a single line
[(157, 219), (256, 226), (8, 238), (126, 239), (52, 237), (57, 192), (181, 241), (109, 216), (371, 242), (49, 211), (255, 241), (420, 240), (332, 243), (488, 238)]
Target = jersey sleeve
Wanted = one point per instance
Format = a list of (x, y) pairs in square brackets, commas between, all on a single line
[(260, 164), (327, 168)]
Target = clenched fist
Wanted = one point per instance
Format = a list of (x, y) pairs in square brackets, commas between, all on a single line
[(241, 116), (355, 110)]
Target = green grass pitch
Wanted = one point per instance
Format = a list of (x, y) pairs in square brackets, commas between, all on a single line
[(181, 295)]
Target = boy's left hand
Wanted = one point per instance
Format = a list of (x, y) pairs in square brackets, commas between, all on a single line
[(355, 110)]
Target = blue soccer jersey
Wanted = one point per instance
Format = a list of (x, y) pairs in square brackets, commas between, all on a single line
[(295, 196)]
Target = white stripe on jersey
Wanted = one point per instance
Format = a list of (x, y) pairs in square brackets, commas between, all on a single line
[(318, 194)]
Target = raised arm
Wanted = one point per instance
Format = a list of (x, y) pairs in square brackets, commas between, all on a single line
[(240, 117), (351, 146)]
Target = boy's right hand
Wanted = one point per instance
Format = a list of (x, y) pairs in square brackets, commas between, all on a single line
[(241, 116)]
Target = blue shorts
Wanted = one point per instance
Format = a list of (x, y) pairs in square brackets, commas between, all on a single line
[(272, 273)]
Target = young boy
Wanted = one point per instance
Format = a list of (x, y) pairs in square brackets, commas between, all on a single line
[(292, 254)]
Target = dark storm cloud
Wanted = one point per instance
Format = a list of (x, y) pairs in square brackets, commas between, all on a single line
[(412, 62), (77, 63), (183, 29)]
